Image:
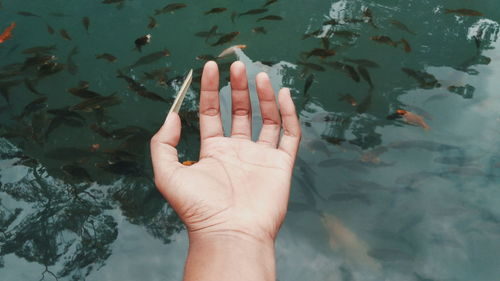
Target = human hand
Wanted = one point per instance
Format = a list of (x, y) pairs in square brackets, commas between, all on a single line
[(238, 187)]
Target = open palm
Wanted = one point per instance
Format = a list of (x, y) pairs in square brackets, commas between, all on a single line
[(238, 186)]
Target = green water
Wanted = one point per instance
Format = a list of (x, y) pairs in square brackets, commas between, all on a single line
[(373, 198)]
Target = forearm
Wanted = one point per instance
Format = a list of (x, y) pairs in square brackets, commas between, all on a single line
[(230, 257)]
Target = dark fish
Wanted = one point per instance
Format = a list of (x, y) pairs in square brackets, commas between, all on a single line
[(322, 53), (49, 68), (226, 38), (325, 41), (96, 103), (72, 67), (106, 56), (206, 57), (86, 23), (40, 50), (253, 12), (65, 34), (140, 89), (308, 84), (5, 87), (65, 113), (426, 80), (208, 34), (151, 58), (312, 34), (170, 8), (82, 91), (33, 106), (126, 132), (124, 168), (363, 62), (152, 22), (365, 75), (311, 65), (160, 75), (142, 41), (37, 61), (406, 45), (270, 17), (346, 34), (68, 153), (401, 26), (349, 99), (76, 172), (50, 30), (365, 103), (347, 69), (464, 12), (259, 29), (269, 2), (384, 40), (215, 11), (331, 22), (29, 85), (27, 14)]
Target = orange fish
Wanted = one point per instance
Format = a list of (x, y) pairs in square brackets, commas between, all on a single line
[(412, 118), (189, 163), (7, 32)]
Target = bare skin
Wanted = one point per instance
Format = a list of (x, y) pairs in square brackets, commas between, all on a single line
[(234, 200)]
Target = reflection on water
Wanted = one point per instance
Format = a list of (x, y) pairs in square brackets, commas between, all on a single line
[(399, 167)]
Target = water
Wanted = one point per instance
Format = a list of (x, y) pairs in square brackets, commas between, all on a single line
[(373, 198)]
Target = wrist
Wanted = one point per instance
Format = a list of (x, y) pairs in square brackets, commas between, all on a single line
[(236, 255)]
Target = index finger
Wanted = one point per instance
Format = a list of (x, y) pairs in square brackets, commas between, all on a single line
[(210, 118)]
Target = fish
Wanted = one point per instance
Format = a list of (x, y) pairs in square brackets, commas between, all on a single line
[(312, 34), (331, 22), (158, 74), (464, 12), (124, 168), (106, 56), (82, 91), (206, 57), (76, 172), (226, 38), (269, 2), (170, 8), (29, 85), (401, 26), (96, 103), (322, 53), (208, 34), (49, 68), (365, 104), (152, 22), (86, 23), (189, 163), (39, 50), (142, 41), (50, 29), (325, 41), (7, 33), (233, 16), (413, 118), (352, 247), (259, 29), (215, 11), (27, 14), (33, 106), (140, 89), (64, 34), (231, 50), (349, 99), (37, 61), (126, 132), (347, 69), (72, 67), (365, 75), (406, 45), (426, 80), (384, 40), (346, 34), (253, 12), (151, 58), (368, 16), (311, 65), (270, 17), (308, 83)]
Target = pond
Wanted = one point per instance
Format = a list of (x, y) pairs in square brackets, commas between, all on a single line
[(398, 174)]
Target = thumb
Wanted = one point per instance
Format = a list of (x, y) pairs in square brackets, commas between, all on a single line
[(163, 151)]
